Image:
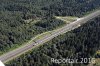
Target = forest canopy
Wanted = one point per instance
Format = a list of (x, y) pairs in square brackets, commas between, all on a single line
[(82, 42), (13, 13)]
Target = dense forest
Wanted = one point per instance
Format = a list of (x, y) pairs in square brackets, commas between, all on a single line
[(82, 42), (17, 26), (13, 14)]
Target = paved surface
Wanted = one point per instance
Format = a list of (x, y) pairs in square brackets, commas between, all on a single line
[(12, 54)]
